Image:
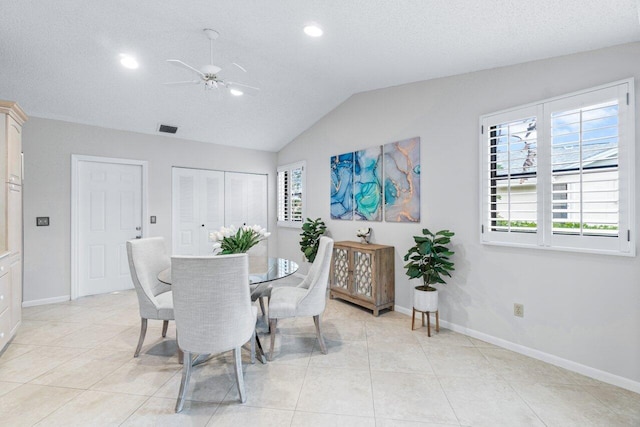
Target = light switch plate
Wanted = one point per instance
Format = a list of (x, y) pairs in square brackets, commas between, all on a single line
[(42, 221), (152, 220)]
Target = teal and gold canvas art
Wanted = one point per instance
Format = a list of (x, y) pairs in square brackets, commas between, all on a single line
[(342, 186), (402, 181), (367, 188)]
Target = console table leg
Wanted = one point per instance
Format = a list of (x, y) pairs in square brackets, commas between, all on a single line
[(428, 324)]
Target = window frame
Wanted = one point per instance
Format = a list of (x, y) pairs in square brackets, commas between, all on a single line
[(544, 237), (289, 168)]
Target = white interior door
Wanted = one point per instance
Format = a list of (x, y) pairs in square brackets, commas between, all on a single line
[(198, 209), (109, 213)]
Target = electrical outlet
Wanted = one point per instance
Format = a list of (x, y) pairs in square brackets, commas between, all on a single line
[(518, 310)]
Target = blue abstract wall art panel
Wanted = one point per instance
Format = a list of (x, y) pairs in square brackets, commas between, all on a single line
[(402, 181), (342, 186), (367, 188)]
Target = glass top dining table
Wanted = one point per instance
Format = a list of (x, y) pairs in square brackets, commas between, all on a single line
[(261, 269)]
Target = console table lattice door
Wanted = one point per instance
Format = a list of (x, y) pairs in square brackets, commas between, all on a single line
[(363, 274)]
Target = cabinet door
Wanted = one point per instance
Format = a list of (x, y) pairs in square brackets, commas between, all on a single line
[(14, 152), (16, 293), (363, 276), (14, 219), (340, 275)]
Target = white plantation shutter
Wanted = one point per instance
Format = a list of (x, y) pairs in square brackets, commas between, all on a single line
[(559, 174), (510, 177), (291, 194)]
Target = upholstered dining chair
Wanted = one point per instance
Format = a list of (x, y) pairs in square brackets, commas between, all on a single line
[(307, 298), (147, 257), (213, 311)]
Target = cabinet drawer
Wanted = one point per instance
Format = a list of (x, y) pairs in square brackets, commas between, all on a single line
[(5, 328), (5, 289)]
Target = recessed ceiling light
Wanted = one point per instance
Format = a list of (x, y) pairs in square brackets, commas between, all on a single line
[(236, 92), (313, 30), (128, 61)]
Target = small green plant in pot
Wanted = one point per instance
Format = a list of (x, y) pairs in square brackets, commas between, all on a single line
[(311, 232), (429, 260)]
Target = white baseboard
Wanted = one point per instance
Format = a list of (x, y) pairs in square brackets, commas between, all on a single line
[(570, 365), (44, 301)]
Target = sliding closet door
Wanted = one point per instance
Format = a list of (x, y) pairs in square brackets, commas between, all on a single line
[(245, 199), (246, 203), (205, 200), (198, 209)]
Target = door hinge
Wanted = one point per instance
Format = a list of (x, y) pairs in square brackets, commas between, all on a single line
[(482, 228), (627, 98), (628, 235), (482, 129)]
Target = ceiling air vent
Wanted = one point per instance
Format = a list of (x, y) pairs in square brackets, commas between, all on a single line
[(167, 129)]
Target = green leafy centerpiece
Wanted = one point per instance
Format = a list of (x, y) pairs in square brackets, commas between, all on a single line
[(232, 240)]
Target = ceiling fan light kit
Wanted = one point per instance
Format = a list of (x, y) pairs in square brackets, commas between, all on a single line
[(209, 73)]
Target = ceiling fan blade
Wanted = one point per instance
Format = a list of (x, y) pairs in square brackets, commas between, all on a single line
[(239, 66), (185, 82), (187, 66), (249, 90)]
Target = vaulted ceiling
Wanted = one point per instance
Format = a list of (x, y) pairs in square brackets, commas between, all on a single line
[(60, 59)]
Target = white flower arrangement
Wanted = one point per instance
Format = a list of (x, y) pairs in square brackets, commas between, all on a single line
[(232, 240)]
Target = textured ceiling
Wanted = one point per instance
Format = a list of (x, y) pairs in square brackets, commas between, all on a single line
[(59, 59)]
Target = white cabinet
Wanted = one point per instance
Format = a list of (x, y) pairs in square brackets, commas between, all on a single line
[(11, 120), (205, 200), (14, 219), (15, 271), (14, 151)]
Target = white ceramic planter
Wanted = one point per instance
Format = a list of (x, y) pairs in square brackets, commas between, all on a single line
[(425, 300)]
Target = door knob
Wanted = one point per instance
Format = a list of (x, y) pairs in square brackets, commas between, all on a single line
[(139, 236), (138, 228)]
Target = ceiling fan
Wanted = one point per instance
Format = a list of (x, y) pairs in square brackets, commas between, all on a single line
[(209, 73)]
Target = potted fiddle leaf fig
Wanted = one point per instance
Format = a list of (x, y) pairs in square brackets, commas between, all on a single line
[(428, 260), (311, 232)]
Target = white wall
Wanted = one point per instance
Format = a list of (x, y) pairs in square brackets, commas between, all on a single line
[(48, 146), (581, 311)]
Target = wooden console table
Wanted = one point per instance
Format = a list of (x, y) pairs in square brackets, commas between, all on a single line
[(364, 274)]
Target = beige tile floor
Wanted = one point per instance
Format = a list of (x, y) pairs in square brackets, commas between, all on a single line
[(71, 364)]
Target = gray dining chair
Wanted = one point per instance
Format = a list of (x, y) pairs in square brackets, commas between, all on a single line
[(307, 298), (213, 311), (147, 257)]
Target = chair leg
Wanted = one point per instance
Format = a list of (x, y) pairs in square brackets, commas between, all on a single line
[(261, 301), (165, 326), (239, 376), (143, 332), (323, 346), (180, 352), (273, 323), (184, 384)]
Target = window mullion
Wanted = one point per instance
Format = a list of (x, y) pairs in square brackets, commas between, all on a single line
[(545, 179)]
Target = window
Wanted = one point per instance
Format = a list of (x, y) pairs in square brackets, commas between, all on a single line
[(291, 194), (559, 174)]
